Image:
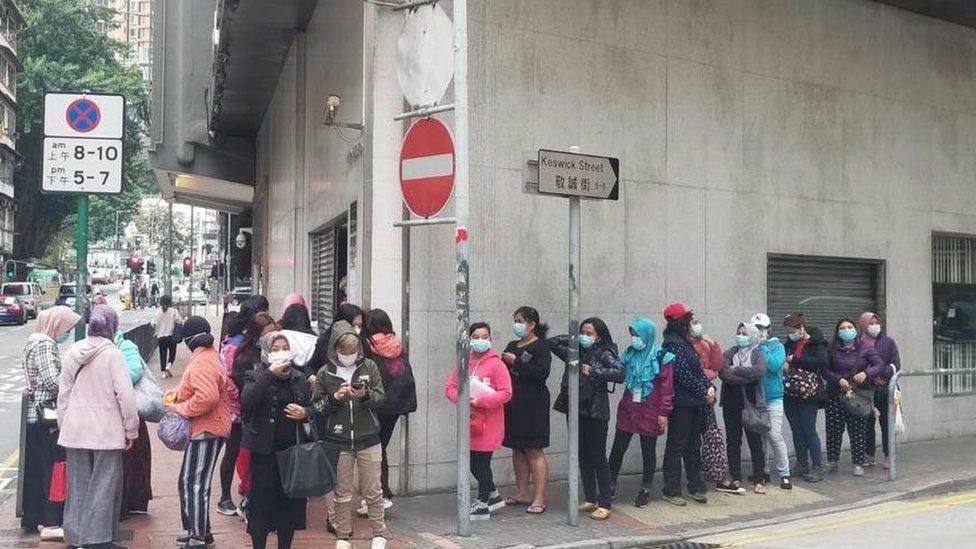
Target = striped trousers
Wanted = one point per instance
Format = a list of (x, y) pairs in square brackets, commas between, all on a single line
[(199, 460)]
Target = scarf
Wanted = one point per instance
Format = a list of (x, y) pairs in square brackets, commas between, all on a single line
[(390, 347), (56, 321), (642, 365), (864, 321), (743, 355)]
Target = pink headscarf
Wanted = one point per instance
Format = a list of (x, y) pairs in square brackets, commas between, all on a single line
[(864, 321), (56, 321), (292, 299)]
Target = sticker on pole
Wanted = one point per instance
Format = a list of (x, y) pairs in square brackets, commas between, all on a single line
[(427, 167)]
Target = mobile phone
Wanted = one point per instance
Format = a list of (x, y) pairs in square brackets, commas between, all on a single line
[(358, 386)]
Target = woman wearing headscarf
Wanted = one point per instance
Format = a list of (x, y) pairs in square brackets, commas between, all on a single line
[(98, 420), (295, 315), (744, 366), (872, 334), (692, 394), (42, 369), (137, 460), (276, 402), (201, 397), (598, 365), (644, 408)]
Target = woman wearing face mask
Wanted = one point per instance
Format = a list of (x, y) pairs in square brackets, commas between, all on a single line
[(490, 389), (527, 414), (42, 369), (646, 403), (850, 364), (709, 351), (742, 373), (872, 335), (773, 389), (806, 359), (692, 394), (275, 402), (599, 364), (347, 312)]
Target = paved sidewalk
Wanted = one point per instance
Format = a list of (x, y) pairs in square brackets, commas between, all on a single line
[(428, 521)]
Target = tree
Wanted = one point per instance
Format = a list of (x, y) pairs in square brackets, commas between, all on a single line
[(63, 49), (152, 221)]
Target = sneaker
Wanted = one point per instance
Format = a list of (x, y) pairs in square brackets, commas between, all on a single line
[(480, 510), (858, 471), (185, 540), (387, 504), (887, 463), (55, 533), (870, 461), (495, 501), (600, 513), (699, 497), (815, 475), (730, 488), (587, 507), (643, 497), (227, 508), (800, 469), (343, 544), (784, 484), (831, 467), (675, 500), (379, 542)]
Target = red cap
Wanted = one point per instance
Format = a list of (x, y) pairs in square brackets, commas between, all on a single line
[(675, 311)]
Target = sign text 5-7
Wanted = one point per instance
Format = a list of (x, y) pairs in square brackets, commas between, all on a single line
[(82, 165)]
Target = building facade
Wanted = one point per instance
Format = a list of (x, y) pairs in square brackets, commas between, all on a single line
[(11, 21), (133, 26), (778, 156)]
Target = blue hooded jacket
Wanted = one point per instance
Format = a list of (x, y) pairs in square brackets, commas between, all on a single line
[(775, 359), (642, 365)]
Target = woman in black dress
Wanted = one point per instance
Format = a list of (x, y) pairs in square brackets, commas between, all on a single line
[(275, 405), (527, 414)]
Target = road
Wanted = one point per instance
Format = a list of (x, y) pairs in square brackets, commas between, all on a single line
[(12, 341), (940, 521)]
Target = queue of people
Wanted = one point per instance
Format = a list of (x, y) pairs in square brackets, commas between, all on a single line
[(265, 385)]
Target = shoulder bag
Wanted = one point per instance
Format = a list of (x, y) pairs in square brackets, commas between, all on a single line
[(858, 402), (755, 416), (307, 470)]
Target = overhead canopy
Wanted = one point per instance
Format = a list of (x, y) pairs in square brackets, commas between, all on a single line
[(205, 192), (962, 12)]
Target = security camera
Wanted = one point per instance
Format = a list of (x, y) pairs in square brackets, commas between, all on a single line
[(241, 240)]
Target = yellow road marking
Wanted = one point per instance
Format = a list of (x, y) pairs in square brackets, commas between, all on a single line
[(831, 523)]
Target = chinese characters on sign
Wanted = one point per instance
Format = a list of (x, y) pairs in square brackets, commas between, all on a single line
[(574, 174), (82, 143)]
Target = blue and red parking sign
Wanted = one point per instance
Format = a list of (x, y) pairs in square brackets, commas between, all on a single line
[(83, 115)]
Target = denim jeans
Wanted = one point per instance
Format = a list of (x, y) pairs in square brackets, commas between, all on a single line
[(802, 415), (780, 456)]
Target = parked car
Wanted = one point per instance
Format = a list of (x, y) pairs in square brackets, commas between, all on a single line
[(181, 294), (67, 295), (101, 277), (12, 310), (28, 293)]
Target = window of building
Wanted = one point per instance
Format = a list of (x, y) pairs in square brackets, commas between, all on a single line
[(954, 311), (824, 289)]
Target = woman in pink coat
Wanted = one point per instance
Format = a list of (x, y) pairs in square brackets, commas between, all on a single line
[(491, 388)]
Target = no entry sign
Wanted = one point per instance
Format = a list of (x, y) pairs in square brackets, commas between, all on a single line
[(427, 167)]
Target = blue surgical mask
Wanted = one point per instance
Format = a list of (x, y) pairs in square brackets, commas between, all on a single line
[(697, 329), (741, 340), (637, 343), (795, 336), (586, 341), (63, 338), (480, 345), (519, 329), (847, 334)]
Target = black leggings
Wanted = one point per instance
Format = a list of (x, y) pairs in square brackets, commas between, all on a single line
[(593, 466), (621, 441), (260, 541), (481, 469), (166, 345), (229, 461), (387, 424), (881, 403)]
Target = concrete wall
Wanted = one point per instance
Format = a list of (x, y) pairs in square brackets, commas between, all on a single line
[(744, 127)]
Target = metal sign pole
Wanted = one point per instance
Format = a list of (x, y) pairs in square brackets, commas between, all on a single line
[(461, 239), (572, 363), (81, 260)]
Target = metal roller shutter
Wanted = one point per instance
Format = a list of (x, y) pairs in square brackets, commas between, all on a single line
[(323, 276), (824, 289)]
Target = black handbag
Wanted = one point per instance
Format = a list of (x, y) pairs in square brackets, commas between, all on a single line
[(308, 470), (858, 402)]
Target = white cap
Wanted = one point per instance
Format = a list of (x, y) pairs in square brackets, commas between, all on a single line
[(760, 319)]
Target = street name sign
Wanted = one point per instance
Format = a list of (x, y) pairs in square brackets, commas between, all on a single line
[(575, 174), (82, 146), (427, 167)]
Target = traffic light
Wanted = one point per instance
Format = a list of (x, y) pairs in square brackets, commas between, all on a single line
[(135, 265), (187, 266), (10, 268)]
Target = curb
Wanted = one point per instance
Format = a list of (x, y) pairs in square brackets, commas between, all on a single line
[(619, 542)]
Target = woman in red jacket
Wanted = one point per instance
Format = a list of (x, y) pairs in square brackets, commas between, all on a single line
[(491, 388)]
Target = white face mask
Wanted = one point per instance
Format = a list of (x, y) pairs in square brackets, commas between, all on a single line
[(874, 330), (357, 329), (279, 356), (347, 360)]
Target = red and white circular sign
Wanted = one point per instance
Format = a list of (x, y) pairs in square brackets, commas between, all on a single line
[(427, 167)]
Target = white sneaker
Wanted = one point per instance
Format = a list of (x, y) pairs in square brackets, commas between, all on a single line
[(363, 510), (379, 542), (343, 544), (387, 503), (52, 534)]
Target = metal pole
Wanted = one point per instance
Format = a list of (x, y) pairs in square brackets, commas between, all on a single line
[(168, 284), (193, 260), (572, 363), (81, 259), (461, 239), (892, 438)]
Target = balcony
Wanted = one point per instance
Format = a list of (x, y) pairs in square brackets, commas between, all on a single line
[(6, 189), (8, 40)]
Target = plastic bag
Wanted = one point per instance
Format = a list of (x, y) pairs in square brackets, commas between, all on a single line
[(149, 396), (899, 418), (174, 431)]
